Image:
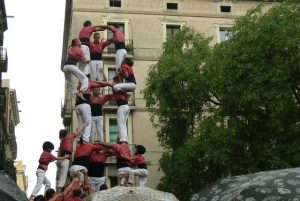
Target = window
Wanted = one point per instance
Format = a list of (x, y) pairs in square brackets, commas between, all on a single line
[(113, 130), (225, 9), (171, 30), (111, 47), (224, 33), (115, 3), (172, 6)]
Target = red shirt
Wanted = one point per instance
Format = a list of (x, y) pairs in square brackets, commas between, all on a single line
[(118, 35), (118, 95), (121, 150), (127, 69), (97, 47), (76, 53), (85, 149), (138, 159), (69, 194), (86, 32), (100, 100), (91, 85), (66, 143), (99, 157), (46, 157), (74, 198)]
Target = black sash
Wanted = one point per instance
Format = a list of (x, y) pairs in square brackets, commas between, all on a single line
[(119, 45)]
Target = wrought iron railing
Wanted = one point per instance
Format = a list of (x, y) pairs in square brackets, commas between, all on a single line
[(112, 50)]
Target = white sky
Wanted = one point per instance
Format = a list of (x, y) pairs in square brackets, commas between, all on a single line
[(34, 41)]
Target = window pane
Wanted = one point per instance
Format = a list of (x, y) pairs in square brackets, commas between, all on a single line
[(113, 130), (115, 3), (171, 30), (172, 6), (224, 33)]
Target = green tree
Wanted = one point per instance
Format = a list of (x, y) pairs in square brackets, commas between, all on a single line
[(249, 86), (175, 89)]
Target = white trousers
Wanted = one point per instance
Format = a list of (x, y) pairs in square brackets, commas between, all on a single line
[(122, 116), (71, 70), (97, 129), (62, 169), (129, 87), (141, 173), (121, 54), (96, 182), (41, 179), (75, 168), (122, 171), (84, 67), (84, 115), (96, 67)]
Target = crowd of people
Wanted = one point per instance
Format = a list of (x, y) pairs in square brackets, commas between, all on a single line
[(80, 168)]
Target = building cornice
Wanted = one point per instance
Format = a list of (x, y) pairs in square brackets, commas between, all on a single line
[(163, 13)]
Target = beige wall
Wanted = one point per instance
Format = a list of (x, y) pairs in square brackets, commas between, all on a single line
[(21, 177), (145, 23)]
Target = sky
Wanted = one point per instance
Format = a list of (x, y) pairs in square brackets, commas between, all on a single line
[(34, 47)]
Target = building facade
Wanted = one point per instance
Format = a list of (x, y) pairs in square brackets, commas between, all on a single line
[(10, 118), (22, 179), (146, 24)]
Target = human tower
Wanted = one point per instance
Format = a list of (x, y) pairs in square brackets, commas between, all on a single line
[(86, 172)]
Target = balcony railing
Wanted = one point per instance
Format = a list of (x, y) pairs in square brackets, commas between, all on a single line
[(3, 59), (112, 102), (112, 50)]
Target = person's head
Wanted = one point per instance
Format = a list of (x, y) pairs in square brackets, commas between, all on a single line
[(50, 193), (115, 25), (96, 90), (103, 187), (48, 146), (140, 149), (87, 23), (96, 37), (128, 61), (63, 133), (76, 42), (79, 192), (115, 79), (39, 198)]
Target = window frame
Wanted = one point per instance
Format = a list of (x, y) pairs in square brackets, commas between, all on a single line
[(220, 26), (165, 24)]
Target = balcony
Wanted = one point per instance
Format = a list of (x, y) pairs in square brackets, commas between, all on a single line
[(3, 59), (110, 51)]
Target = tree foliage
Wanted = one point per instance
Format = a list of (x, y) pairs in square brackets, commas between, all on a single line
[(175, 90), (230, 109)]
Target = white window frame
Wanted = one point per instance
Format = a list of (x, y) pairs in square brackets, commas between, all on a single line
[(164, 27), (218, 26)]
